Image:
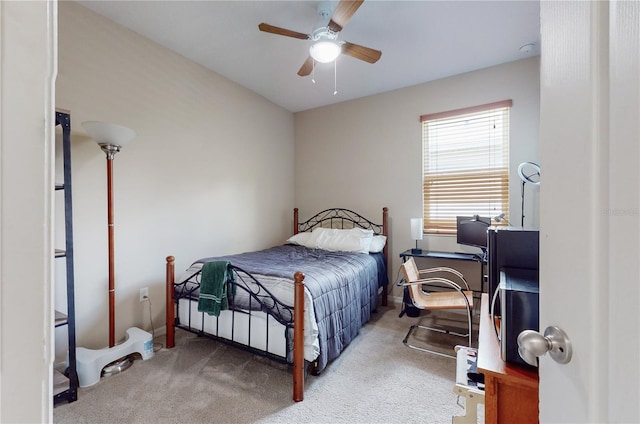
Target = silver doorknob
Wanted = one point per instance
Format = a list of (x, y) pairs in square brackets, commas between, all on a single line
[(532, 344)]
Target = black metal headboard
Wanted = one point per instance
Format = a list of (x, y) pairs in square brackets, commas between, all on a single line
[(339, 218)]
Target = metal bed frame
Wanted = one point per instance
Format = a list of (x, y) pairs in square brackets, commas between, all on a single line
[(291, 317)]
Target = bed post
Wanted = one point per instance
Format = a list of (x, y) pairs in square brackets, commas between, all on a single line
[(170, 274), (298, 337), (295, 220), (385, 232)]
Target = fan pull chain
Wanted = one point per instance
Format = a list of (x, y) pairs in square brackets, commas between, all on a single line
[(313, 72), (335, 77)]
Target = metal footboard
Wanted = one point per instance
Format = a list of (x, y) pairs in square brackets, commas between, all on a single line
[(292, 318), (252, 306)]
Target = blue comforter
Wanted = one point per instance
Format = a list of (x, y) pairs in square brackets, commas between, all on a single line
[(344, 287)]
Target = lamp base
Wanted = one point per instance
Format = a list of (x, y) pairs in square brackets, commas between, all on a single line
[(117, 366), (416, 251)]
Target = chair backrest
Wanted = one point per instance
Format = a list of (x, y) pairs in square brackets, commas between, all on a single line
[(410, 270), (411, 273)]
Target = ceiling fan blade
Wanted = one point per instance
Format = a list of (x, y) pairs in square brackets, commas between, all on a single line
[(282, 31), (306, 67), (360, 52), (343, 13)]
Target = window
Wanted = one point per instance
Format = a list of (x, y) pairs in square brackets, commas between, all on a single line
[(465, 165)]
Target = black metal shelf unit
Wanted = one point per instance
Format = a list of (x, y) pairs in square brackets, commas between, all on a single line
[(65, 385)]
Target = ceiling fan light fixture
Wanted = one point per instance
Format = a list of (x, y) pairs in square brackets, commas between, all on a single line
[(325, 51)]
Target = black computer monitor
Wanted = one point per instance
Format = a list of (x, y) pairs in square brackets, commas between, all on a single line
[(472, 230)]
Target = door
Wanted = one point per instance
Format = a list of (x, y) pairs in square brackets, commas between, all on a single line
[(28, 31), (590, 208)]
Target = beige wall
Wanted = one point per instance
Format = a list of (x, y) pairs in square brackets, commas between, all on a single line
[(365, 154), (210, 171)]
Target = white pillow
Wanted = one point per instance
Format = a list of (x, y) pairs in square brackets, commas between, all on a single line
[(312, 241), (377, 244), (299, 239), (337, 240)]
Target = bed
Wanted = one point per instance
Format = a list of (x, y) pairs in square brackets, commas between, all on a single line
[(299, 303)]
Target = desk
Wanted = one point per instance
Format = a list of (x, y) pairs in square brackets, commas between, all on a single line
[(442, 255), (511, 391), (430, 254)]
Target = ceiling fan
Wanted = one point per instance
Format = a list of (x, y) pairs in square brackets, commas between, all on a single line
[(325, 47)]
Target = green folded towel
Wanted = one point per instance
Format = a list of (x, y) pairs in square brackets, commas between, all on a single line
[(216, 286)]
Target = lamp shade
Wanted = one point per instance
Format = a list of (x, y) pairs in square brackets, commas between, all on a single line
[(325, 51), (109, 134), (416, 228)]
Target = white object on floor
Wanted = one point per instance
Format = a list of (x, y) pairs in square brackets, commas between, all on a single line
[(473, 396), (89, 362)]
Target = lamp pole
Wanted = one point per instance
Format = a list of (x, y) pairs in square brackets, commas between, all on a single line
[(110, 150)]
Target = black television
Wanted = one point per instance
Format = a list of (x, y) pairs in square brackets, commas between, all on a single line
[(472, 231)]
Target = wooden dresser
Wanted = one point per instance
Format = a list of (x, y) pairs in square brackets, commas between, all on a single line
[(511, 391)]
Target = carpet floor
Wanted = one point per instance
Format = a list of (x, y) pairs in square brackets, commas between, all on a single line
[(376, 380)]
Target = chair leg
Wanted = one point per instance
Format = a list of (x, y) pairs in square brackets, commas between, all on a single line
[(443, 331), (422, 349), (468, 335), (470, 322)]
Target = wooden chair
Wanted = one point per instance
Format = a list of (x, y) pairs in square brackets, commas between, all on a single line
[(448, 296)]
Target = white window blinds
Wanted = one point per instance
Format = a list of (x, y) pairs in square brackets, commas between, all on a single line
[(465, 165)]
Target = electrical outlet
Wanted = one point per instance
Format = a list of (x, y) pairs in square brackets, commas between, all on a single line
[(144, 294)]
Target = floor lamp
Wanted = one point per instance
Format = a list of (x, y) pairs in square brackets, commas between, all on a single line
[(111, 138), (529, 172)]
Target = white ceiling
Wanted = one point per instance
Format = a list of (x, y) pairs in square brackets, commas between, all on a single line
[(420, 41)]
